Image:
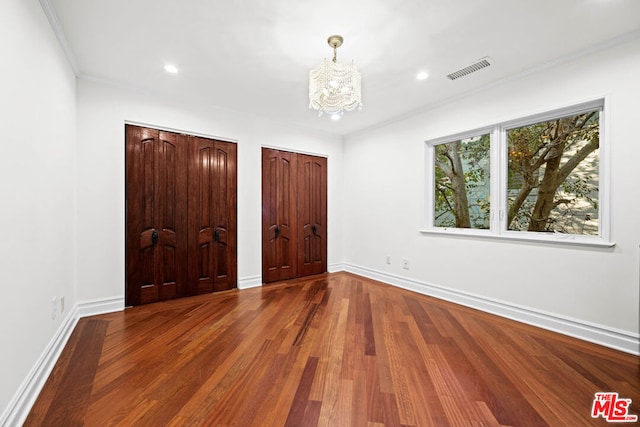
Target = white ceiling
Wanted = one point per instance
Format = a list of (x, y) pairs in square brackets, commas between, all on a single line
[(254, 55)]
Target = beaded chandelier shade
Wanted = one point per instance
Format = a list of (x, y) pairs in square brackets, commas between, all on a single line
[(335, 87)]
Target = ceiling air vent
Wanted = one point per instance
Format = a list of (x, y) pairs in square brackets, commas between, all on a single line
[(478, 65)]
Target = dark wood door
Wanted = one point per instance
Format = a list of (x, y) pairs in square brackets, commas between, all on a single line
[(212, 215), (156, 205), (294, 215), (180, 215), (312, 214), (278, 215)]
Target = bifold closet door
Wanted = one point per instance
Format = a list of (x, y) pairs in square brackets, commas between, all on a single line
[(212, 218), (294, 215), (180, 215), (156, 221), (278, 215), (312, 214)]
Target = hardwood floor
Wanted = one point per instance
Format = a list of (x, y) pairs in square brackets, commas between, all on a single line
[(330, 350)]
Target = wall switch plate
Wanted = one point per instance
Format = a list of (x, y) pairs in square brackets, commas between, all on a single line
[(405, 264), (388, 259), (54, 308)]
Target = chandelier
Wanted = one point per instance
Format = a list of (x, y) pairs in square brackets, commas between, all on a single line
[(335, 87)]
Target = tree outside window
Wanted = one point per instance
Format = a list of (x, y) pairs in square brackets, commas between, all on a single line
[(462, 183), (531, 176), (553, 175)]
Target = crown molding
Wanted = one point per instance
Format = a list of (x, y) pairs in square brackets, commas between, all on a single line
[(50, 13)]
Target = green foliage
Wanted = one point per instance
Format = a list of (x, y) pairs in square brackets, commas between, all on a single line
[(552, 177), (555, 156)]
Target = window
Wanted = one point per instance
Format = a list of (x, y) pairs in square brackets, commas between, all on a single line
[(538, 178)]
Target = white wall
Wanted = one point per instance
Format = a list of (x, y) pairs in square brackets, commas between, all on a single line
[(37, 189), (102, 112), (384, 176)]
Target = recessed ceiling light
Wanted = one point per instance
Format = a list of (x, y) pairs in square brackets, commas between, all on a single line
[(336, 116), (170, 69), (422, 75)]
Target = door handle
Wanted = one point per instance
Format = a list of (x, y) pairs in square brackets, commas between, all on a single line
[(277, 231), (154, 237), (216, 236), (314, 229)]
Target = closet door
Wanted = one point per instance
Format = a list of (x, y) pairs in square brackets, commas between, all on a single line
[(156, 196), (278, 215), (312, 214), (212, 215)]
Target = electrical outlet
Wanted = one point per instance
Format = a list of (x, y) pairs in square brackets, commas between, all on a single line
[(62, 304), (388, 259), (405, 264), (54, 308)]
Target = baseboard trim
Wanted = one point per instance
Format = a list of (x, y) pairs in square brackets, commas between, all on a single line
[(100, 306), (336, 267), (250, 282), (625, 341), (18, 409)]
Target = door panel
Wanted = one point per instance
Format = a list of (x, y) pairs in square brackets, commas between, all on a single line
[(286, 214), (278, 215), (155, 215), (312, 214), (140, 159), (269, 218), (224, 246), (170, 198), (200, 218), (212, 215)]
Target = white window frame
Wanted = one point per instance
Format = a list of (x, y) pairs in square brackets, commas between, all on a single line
[(499, 173)]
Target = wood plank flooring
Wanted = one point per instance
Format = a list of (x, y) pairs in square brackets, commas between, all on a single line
[(329, 350)]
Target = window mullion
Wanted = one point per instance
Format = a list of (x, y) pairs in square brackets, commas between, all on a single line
[(497, 180)]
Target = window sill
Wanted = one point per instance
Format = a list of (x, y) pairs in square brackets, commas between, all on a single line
[(555, 238)]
